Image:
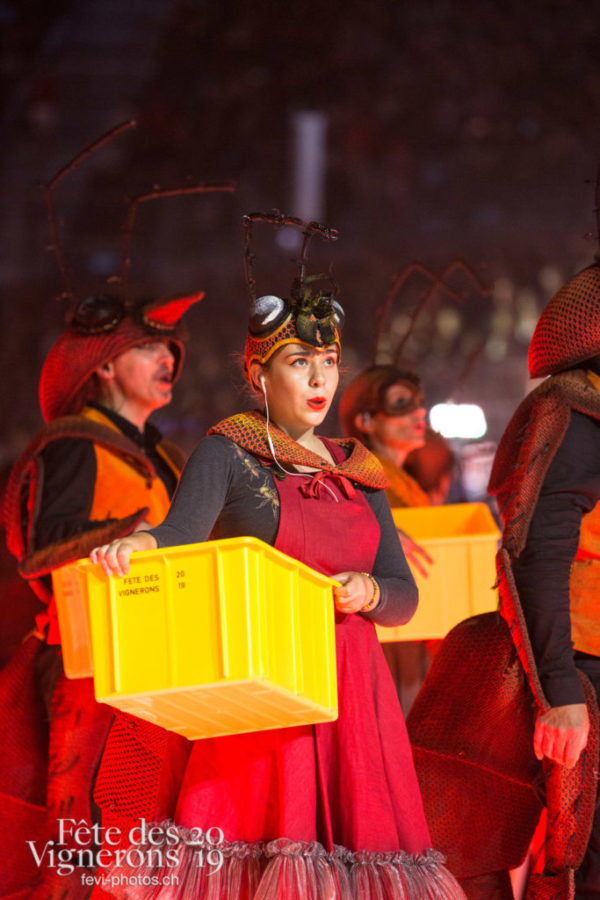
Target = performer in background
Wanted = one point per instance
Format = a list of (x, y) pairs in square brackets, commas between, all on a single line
[(510, 714), (331, 810), (546, 477), (384, 407), (98, 469)]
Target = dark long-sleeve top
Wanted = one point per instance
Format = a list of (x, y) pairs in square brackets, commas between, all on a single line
[(224, 492), (70, 479), (571, 488)]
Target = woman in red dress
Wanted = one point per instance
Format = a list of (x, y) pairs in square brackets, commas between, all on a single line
[(308, 812)]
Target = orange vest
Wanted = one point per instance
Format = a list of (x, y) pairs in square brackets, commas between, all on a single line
[(403, 490), (584, 584), (121, 486)]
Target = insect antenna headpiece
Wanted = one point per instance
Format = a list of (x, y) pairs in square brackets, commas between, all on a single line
[(368, 391), (104, 325), (310, 315), (49, 188), (436, 285)]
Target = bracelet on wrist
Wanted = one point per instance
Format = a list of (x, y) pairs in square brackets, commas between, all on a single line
[(374, 601)]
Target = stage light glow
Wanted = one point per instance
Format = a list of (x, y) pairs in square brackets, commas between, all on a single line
[(458, 420)]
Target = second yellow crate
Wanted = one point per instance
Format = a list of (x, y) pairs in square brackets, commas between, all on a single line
[(215, 638), (69, 587), (462, 539)]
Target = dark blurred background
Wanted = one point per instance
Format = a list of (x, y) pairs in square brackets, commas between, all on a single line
[(446, 129)]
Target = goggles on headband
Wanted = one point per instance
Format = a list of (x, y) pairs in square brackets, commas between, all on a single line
[(274, 321), (400, 398), (103, 313)]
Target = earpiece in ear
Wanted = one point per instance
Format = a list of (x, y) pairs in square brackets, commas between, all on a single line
[(262, 384), (366, 417)]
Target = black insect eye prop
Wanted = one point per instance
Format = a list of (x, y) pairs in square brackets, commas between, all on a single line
[(325, 332), (338, 314), (326, 307), (266, 314), (98, 314), (319, 320), (307, 328), (323, 307)]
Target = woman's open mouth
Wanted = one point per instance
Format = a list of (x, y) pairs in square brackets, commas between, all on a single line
[(317, 403)]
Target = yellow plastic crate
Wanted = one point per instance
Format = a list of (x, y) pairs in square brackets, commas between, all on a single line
[(216, 638), (462, 539), (69, 587)]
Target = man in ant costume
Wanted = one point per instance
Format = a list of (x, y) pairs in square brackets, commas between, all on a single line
[(96, 471), (537, 684)]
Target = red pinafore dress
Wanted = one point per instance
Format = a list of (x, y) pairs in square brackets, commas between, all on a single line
[(350, 782)]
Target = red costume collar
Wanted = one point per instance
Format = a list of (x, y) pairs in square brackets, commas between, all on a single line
[(249, 431)]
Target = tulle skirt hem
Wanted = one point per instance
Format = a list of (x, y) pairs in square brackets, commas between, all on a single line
[(180, 864)]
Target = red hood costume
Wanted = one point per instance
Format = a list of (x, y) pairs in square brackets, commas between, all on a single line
[(455, 721), (101, 329)]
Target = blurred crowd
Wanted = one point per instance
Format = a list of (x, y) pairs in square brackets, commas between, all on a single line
[(453, 130)]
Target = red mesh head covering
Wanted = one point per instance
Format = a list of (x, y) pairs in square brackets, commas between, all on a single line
[(66, 381), (568, 331)]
